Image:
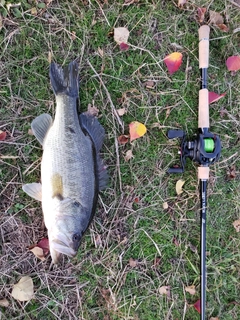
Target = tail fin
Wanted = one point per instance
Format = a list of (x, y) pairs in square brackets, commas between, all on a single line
[(64, 80)]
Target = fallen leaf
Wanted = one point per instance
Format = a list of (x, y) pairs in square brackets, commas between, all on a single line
[(179, 186), (173, 61), (215, 17), (123, 139), (214, 318), (100, 51), (233, 63), (23, 290), (223, 27), (165, 205), (231, 172), (136, 130), (128, 156), (34, 11), (197, 306), (213, 97), (44, 244), (121, 111), (149, 84), (191, 289), (181, 2), (175, 241), (38, 252), (121, 35), (236, 225), (201, 14), (4, 302), (123, 46), (93, 111), (98, 241), (133, 263), (3, 135), (165, 290), (156, 262)]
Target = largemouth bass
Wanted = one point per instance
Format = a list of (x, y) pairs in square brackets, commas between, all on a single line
[(72, 172)]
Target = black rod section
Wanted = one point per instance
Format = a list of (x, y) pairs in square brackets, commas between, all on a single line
[(203, 214), (204, 76)]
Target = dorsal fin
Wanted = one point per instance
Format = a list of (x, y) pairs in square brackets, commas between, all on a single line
[(91, 126)]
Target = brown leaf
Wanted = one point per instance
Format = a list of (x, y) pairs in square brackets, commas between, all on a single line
[(128, 156), (133, 263), (165, 290), (93, 111), (175, 241), (191, 289), (4, 302), (236, 225), (223, 27), (214, 318), (215, 17), (201, 14), (123, 139), (232, 172), (98, 241), (149, 84), (156, 262)]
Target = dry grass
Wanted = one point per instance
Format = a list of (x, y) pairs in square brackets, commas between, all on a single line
[(134, 246)]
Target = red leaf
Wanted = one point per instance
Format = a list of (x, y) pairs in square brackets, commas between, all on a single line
[(173, 61), (213, 97), (123, 46), (44, 244), (233, 63), (197, 306), (3, 135)]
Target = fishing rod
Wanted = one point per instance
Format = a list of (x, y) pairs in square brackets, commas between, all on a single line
[(204, 150)]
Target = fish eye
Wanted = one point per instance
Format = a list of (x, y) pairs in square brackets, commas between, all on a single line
[(76, 237)]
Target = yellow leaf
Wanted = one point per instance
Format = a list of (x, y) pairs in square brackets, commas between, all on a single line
[(179, 186), (190, 289), (23, 290), (136, 130)]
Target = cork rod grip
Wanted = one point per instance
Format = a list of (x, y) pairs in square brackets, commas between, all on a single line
[(203, 32), (203, 109)]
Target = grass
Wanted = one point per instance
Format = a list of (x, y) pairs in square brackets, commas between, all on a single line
[(130, 223)]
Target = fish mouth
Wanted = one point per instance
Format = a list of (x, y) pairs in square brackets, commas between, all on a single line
[(61, 245)]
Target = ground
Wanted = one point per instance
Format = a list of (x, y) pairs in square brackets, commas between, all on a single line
[(144, 238)]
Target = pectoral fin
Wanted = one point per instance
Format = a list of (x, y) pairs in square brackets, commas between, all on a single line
[(34, 190), (40, 126)]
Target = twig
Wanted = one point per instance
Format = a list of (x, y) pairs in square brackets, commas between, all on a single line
[(234, 3)]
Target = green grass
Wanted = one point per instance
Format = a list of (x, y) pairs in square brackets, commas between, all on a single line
[(130, 223)]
